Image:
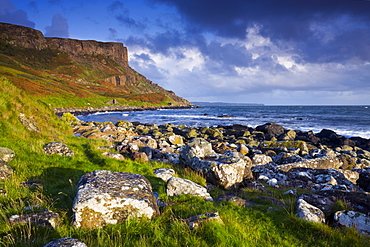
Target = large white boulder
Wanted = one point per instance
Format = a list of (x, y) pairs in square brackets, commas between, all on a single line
[(360, 221), (179, 186), (106, 197), (308, 212)]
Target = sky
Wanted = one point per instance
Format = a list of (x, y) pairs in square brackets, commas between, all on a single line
[(274, 52)]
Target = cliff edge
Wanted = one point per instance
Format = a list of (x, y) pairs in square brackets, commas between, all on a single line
[(85, 69)]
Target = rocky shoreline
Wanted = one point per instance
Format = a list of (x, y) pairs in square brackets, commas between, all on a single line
[(333, 167), (91, 110)]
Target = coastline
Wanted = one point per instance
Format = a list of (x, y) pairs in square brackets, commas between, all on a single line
[(91, 110)]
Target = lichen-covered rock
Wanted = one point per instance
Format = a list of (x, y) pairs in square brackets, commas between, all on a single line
[(176, 140), (6, 154), (57, 148), (66, 242), (308, 212), (197, 220), (327, 162), (28, 122), (261, 159), (164, 173), (359, 221), (106, 197), (140, 157), (236, 200), (325, 204), (180, 186), (5, 170), (113, 155), (227, 170), (197, 148), (46, 218)]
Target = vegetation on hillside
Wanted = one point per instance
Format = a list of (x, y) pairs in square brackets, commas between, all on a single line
[(58, 177)]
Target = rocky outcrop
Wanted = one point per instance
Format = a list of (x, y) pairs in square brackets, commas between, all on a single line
[(359, 221), (31, 38), (179, 186), (66, 242), (106, 197)]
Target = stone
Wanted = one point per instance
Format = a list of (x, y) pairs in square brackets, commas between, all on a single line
[(273, 200), (57, 148), (359, 221), (236, 200), (199, 148), (272, 129), (261, 159), (28, 122), (227, 171), (140, 157), (357, 200), (197, 220), (326, 162), (325, 204), (46, 218), (114, 155), (243, 149), (6, 154), (5, 170), (180, 186), (308, 212), (288, 135), (364, 180), (164, 173), (66, 242), (176, 140), (106, 197)]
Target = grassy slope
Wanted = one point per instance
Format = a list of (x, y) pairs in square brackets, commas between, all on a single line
[(256, 226)]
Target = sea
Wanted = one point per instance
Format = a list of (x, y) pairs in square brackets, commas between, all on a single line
[(349, 121)]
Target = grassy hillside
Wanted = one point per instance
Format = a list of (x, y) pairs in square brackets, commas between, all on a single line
[(58, 177), (80, 81)]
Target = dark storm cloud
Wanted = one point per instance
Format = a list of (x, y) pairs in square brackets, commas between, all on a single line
[(122, 15), (9, 14), (284, 21), (58, 28)]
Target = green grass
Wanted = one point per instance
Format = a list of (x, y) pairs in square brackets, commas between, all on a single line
[(254, 226)]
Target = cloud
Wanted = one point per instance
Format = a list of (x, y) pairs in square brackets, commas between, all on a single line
[(58, 28), (9, 14)]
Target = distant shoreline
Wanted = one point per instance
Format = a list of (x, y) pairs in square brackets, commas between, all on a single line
[(91, 110), (225, 104)]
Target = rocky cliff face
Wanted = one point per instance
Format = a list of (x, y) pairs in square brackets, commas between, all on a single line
[(31, 38), (84, 67)]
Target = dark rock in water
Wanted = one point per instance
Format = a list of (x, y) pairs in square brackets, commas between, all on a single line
[(226, 116), (272, 129), (66, 242)]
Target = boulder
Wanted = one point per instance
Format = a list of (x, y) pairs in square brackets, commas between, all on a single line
[(164, 173), (28, 122), (308, 212), (46, 218), (176, 140), (5, 170), (227, 171), (198, 148), (364, 180), (66, 242), (140, 157), (106, 197), (197, 220), (6, 154), (326, 162), (179, 186), (359, 221), (272, 129), (325, 204), (114, 155), (57, 148), (261, 159), (236, 200)]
